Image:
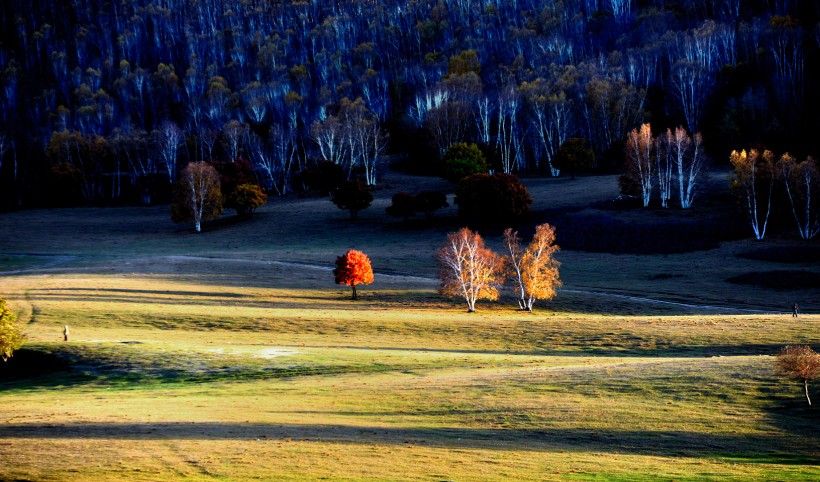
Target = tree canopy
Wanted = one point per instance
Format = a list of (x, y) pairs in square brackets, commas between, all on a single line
[(353, 268), (121, 93)]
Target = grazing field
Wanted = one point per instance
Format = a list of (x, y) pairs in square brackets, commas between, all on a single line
[(231, 355)]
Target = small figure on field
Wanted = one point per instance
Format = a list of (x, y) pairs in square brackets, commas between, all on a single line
[(353, 268), (794, 310), (65, 333)]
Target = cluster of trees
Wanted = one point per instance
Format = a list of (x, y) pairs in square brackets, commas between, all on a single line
[(759, 180), (110, 100), (470, 270), (664, 165), (202, 192)]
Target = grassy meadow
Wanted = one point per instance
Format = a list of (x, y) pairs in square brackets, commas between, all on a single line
[(231, 355)]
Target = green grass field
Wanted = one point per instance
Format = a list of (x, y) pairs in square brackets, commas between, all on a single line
[(232, 356)]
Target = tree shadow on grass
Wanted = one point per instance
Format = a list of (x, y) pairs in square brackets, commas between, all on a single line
[(768, 448)]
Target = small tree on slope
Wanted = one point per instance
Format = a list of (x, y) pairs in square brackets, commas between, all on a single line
[(799, 363)]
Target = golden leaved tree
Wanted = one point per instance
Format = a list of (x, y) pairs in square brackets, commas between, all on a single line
[(534, 269), (10, 337)]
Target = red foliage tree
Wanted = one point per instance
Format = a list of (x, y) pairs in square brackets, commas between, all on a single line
[(353, 269)]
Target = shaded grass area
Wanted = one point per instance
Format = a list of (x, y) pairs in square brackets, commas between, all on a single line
[(625, 419), (784, 254), (780, 280), (10, 262), (144, 364)]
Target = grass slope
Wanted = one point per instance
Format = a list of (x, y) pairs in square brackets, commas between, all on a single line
[(208, 357)]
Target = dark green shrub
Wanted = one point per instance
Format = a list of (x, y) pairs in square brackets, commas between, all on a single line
[(429, 202), (574, 155), (404, 205), (462, 160), (353, 196)]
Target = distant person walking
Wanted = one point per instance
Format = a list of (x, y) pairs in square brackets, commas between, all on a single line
[(65, 332), (794, 310)]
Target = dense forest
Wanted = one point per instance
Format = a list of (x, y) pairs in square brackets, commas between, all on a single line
[(104, 101)]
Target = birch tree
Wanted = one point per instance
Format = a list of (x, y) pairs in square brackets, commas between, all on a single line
[(663, 164), (534, 269), (168, 139), (802, 182), (469, 269), (753, 181), (198, 197), (507, 125), (689, 160), (639, 159)]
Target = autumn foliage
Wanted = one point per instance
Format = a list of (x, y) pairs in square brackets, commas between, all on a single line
[(799, 363), (534, 269), (10, 337), (469, 269), (246, 198), (353, 268), (197, 196)]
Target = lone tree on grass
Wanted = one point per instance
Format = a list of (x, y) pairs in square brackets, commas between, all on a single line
[(534, 269), (197, 196), (10, 337), (799, 363), (353, 268), (353, 196), (468, 269)]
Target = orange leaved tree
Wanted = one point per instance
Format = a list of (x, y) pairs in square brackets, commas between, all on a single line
[(353, 268), (534, 269), (469, 269)]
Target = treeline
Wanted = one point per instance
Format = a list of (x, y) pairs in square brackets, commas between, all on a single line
[(105, 100)]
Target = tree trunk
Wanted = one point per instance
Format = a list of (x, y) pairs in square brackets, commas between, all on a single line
[(355, 296), (806, 387), (198, 226)]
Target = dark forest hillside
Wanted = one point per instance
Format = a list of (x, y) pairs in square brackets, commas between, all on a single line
[(103, 101)]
